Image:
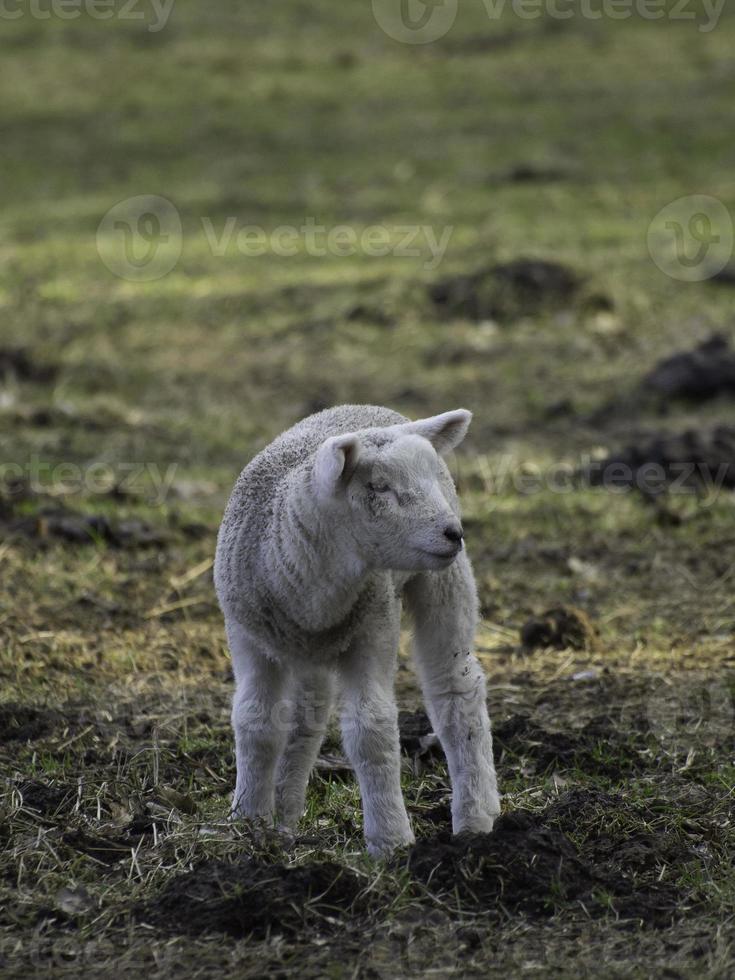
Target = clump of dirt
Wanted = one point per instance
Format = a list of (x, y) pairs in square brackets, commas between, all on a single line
[(522, 738), (561, 627), (699, 374), (524, 287), (700, 459), (59, 523), (46, 799), (590, 847), (415, 732), (24, 723), (19, 364), (254, 898)]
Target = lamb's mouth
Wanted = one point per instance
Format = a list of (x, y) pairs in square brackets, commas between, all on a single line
[(443, 554)]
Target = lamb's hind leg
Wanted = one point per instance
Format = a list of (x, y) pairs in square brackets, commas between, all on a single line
[(258, 722), (444, 608), (312, 703)]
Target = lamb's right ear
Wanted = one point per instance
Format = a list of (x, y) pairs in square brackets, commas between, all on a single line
[(335, 462)]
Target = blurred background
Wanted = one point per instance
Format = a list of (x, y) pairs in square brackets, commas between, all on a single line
[(219, 218)]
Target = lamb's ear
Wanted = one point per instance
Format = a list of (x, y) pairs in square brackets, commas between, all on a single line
[(445, 431), (335, 462)]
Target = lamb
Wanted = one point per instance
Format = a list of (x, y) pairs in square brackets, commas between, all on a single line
[(327, 530)]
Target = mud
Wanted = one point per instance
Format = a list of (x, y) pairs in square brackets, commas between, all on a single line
[(560, 627), (17, 363), (254, 898), (59, 523), (696, 458), (49, 801), (590, 849), (698, 375), (23, 723), (596, 749), (525, 287), (522, 739)]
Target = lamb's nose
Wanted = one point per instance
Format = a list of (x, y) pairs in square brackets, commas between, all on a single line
[(454, 532)]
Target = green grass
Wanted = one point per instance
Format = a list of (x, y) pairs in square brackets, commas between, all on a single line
[(281, 116)]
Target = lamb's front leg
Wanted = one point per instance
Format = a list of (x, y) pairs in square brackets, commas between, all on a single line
[(260, 719), (312, 701), (370, 731), (444, 607)]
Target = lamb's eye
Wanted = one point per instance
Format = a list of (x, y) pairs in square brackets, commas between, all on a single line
[(378, 488)]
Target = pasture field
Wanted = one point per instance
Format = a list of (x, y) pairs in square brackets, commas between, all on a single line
[(502, 190)]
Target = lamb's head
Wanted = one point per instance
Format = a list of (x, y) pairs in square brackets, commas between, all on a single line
[(390, 493)]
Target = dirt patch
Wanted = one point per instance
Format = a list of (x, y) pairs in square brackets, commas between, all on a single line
[(597, 749), (700, 459), (23, 723), (416, 733), (46, 799), (254, 898), (525, 287), (590, 848), (58, 523), (561, 627), (700, 374), (19, 364)]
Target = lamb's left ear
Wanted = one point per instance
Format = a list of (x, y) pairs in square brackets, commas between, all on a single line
[(335, 462), (444, 432)]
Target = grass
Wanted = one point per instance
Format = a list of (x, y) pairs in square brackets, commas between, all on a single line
[(138, 403)]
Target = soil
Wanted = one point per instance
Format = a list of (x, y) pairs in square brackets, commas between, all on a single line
[(23, 723), (560, 627), (700, 374), (524, 287), (55, 522), (253, 898), (532, 863), (19, 364), (697, 458)]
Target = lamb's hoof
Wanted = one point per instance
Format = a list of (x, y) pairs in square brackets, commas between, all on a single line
[(383, 848), (479, 823)]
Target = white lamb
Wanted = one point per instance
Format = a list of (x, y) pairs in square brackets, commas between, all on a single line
[(327, 529)]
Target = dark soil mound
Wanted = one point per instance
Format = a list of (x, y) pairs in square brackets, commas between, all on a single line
[(47, 799), (702, 373), (560, 627), (415, 731), (63, 524), (524, 287), (696, 459), (23, 723), (597, 749), (590, 847), (254, 898), (17, 363)]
